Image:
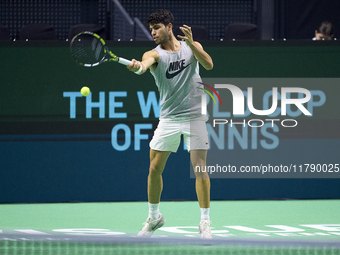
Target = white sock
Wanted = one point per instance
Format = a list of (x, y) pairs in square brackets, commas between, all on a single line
[(154, 211), (205, 214)]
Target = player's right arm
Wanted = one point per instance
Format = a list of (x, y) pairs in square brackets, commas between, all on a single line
[(149, 61)]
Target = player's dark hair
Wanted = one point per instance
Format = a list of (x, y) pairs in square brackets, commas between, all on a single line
[(325, 28), (161, 16)]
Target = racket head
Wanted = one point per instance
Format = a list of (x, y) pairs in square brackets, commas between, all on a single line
[(89, 49)]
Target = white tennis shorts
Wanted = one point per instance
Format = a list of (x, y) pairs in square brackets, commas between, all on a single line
[(167, 136)]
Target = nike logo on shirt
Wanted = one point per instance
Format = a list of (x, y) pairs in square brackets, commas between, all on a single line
[(177, 66)]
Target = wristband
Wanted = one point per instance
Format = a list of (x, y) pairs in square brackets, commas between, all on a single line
[(139, 70)]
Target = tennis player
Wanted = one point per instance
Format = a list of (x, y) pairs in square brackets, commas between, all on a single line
[(174, 65)]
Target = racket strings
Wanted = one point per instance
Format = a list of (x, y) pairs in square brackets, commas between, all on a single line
[(87, 49)]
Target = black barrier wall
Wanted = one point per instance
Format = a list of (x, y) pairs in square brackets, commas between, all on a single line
[(57, 146)]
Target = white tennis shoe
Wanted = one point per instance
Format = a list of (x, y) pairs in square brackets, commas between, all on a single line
[(204, 229), (150, 226)]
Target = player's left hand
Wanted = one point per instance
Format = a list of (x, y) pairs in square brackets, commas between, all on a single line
[(187, 34)]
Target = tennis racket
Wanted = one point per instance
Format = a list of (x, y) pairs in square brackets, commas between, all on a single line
[(89, 49)]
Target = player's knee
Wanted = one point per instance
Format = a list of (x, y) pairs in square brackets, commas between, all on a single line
[(202, 175), (199, 163), (155, 170)]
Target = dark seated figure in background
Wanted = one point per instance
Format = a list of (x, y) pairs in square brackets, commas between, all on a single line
[(324, 31)]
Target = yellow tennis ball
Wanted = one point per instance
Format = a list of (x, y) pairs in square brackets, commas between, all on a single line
[(85, 91)]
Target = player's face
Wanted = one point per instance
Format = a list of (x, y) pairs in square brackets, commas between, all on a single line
[(160, 33)]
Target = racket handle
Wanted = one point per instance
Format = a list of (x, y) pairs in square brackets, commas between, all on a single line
[(124, 61)]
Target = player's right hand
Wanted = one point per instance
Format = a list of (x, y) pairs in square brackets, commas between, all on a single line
[(134, 66)]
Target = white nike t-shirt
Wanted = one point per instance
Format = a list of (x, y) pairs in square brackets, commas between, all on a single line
[(177, 78)]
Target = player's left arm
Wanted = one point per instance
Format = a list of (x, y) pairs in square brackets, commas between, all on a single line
[(201, 55)]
